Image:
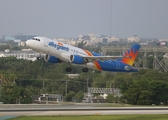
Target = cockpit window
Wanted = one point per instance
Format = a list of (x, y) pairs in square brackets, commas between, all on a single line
[(36, 39)]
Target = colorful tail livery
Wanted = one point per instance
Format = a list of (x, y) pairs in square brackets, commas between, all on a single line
[(130, 55), (57, 52)]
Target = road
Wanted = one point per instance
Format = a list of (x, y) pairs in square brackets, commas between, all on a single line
[(8, 111)]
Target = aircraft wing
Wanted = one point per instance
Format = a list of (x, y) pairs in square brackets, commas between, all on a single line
[(102, 58)]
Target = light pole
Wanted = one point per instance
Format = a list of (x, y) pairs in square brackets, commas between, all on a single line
[(1, 87), (84, 87), (43, 84), (66, 87), (87, 85)]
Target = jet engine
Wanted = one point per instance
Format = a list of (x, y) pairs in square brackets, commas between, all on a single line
[(76, 59), (51, 59)]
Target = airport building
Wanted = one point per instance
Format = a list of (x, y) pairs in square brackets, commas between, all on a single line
[(113, 39), (26, 54), (94, 38), (17, 37), (163, 40), (68, 41), (133, 39)]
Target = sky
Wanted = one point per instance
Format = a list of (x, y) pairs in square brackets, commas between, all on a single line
[(70, 18)]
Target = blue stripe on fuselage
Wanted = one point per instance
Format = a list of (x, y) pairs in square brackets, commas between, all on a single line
[(116, 66)]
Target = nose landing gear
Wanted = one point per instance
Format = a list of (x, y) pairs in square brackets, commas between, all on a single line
[(38, 58)]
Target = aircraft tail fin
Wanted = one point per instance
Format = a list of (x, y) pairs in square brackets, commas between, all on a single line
[(130, 54)]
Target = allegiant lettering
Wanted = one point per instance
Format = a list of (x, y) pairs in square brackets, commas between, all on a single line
[(52, 44)]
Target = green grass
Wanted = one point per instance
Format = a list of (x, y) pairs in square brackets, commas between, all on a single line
[(96, 117)]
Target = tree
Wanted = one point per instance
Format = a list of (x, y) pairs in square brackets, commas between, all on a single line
[(147, 92), (79, 95), (139, 93), (69, 96), (110, 98), (9, 92)]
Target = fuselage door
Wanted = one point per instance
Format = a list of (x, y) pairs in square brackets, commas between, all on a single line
[(45, 42), (117, 65)]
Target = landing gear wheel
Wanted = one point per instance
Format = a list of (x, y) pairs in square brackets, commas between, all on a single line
[(68, 69), (85, 69)]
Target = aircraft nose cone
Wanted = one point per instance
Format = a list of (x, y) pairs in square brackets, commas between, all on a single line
[(27, 43)]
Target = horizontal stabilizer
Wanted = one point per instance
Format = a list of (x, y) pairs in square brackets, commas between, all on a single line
[(130, 68)]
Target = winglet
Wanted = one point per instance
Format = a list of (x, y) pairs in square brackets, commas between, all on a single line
[(131, 55)]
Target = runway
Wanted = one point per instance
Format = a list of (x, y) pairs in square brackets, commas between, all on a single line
[(40, 110)]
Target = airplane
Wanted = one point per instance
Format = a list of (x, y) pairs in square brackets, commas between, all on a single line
[(58, 52)]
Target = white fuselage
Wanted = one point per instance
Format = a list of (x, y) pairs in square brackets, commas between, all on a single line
[(58, 49)]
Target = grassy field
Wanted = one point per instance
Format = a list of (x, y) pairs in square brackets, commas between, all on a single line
[(96, 117)]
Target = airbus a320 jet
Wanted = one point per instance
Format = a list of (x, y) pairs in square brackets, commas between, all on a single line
[(58, 52)]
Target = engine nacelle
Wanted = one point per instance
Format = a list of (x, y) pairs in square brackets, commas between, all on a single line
[(51, 59), (76, 59)]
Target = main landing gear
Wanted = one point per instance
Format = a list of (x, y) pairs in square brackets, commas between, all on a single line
[(85, 69), (69, 69)]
